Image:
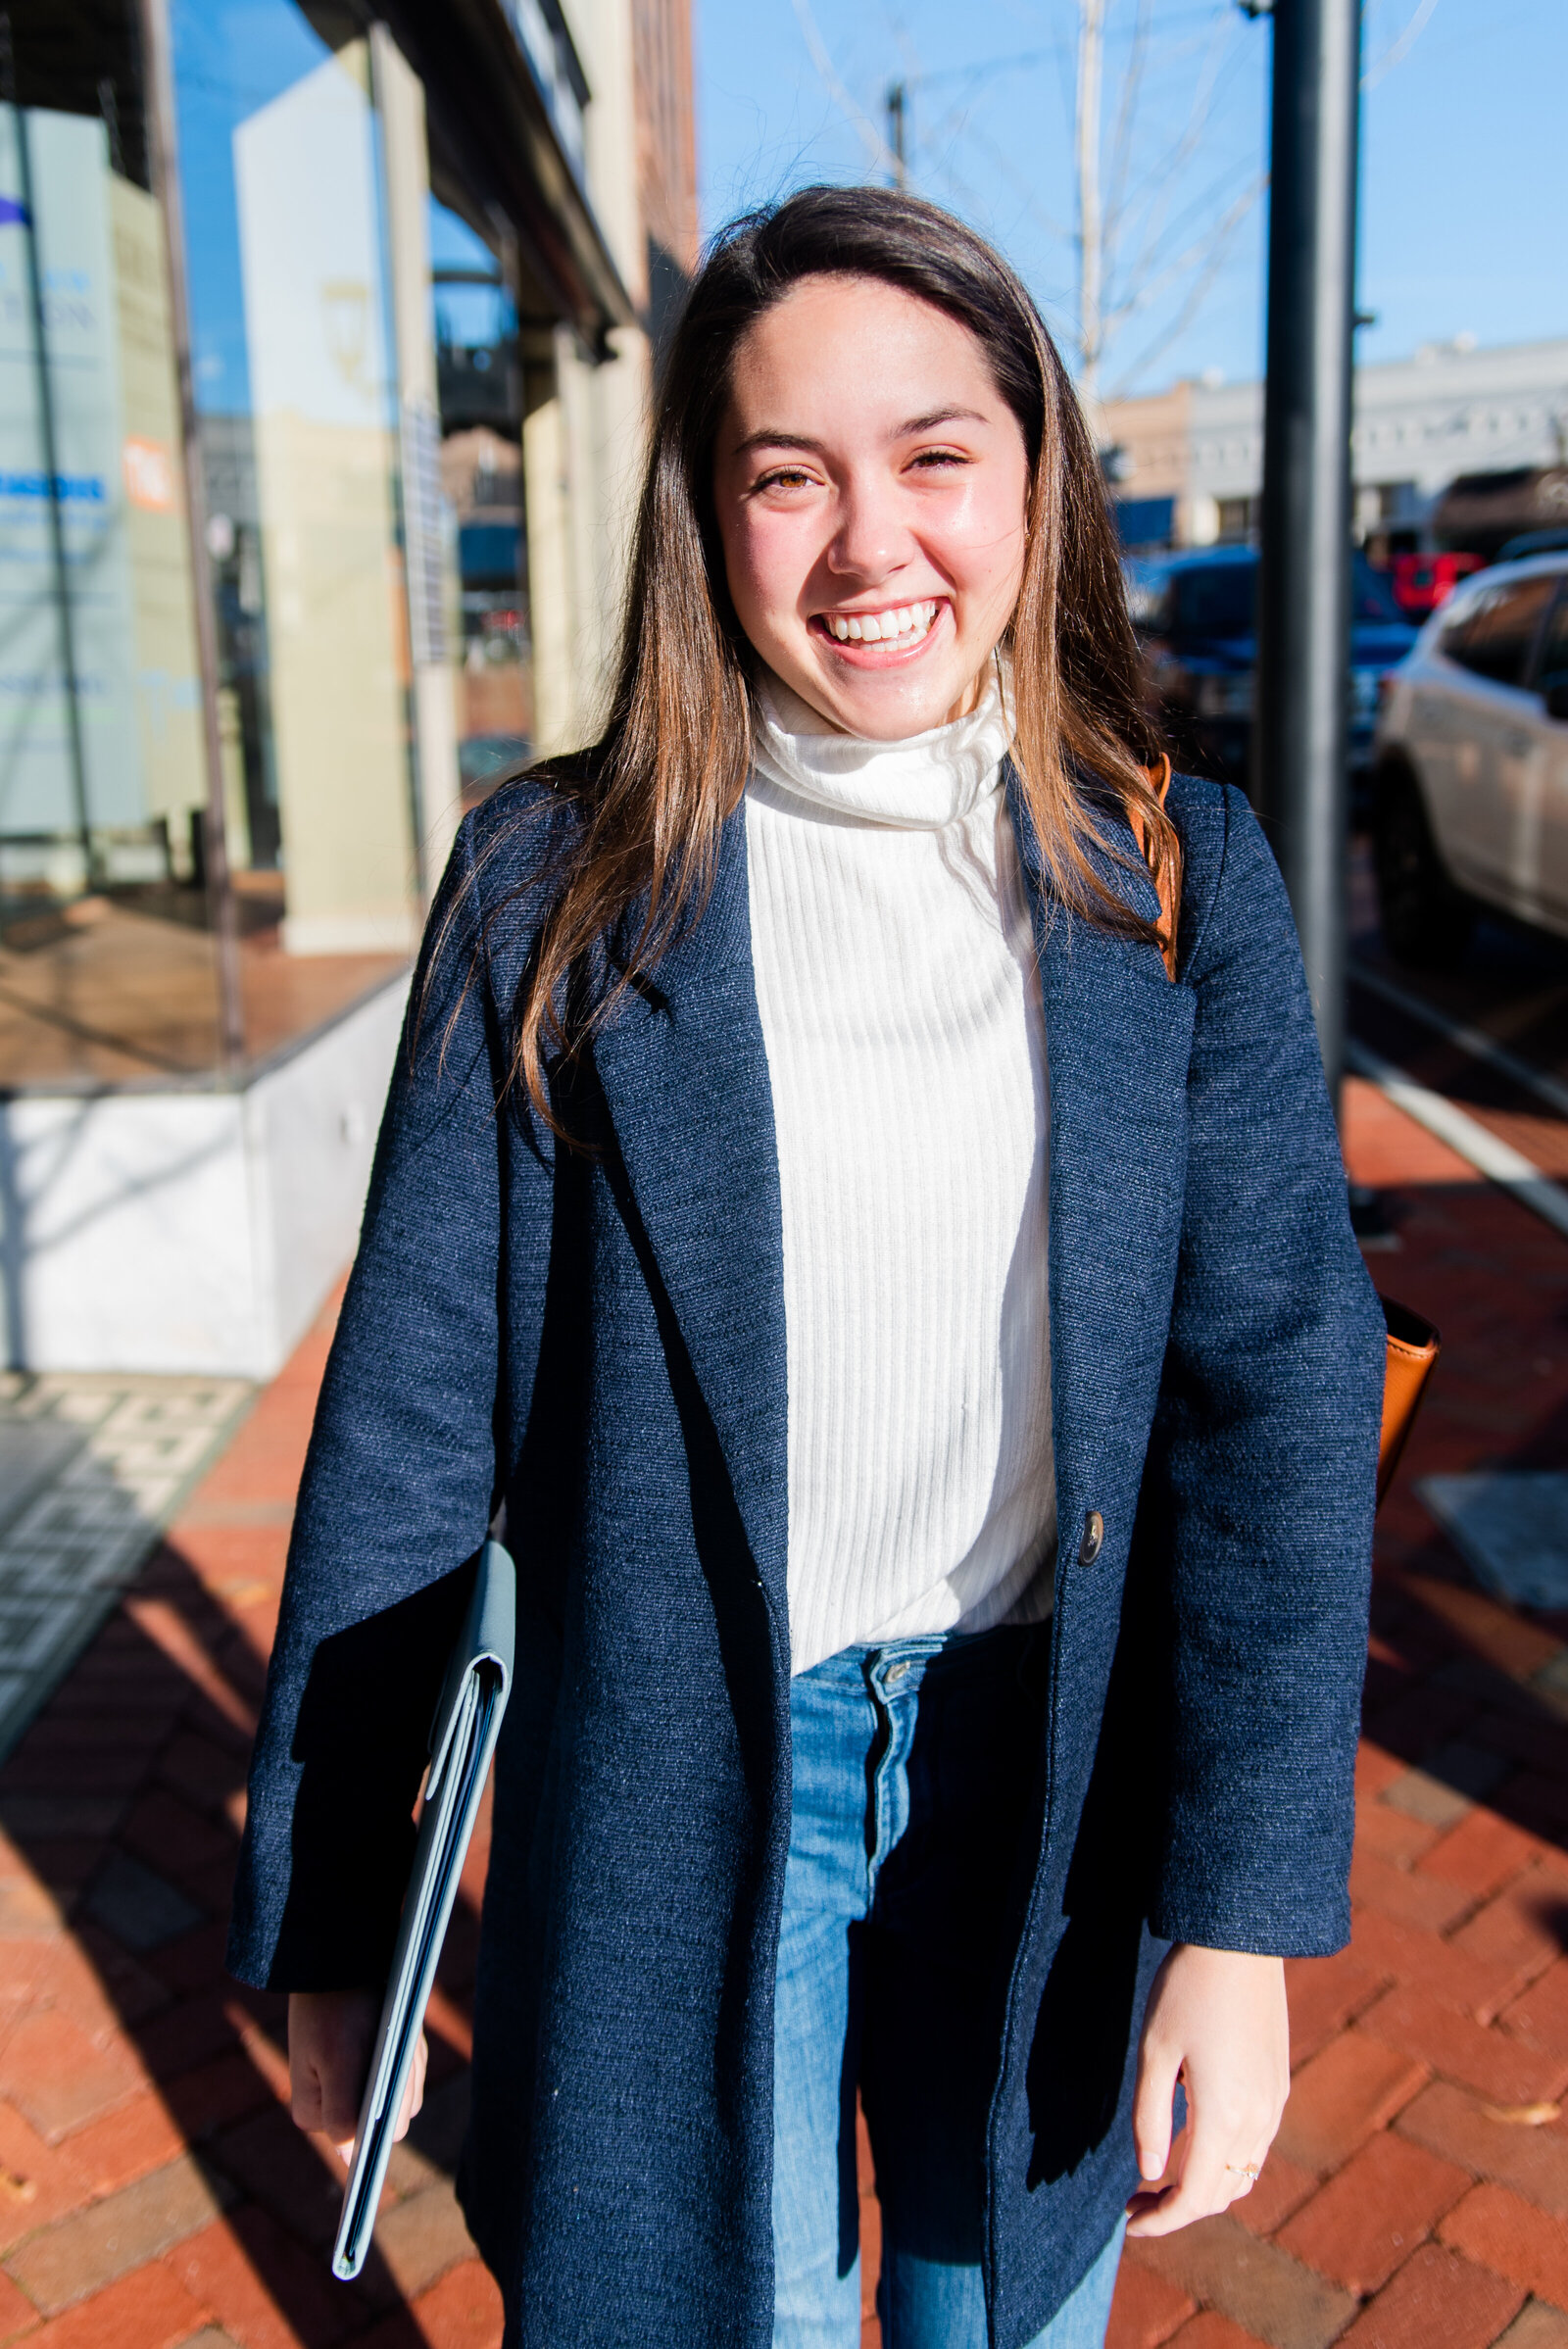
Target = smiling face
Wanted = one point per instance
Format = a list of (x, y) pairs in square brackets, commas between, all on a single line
[(870, 484)]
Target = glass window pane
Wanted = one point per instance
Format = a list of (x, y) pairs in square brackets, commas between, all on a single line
[(108, 970), (1495, 631), (292, 350), (1552, 661), (480, 379), (111, 945), (1216, 599)]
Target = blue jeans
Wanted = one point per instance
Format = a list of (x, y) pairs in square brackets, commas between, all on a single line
[(915, 1768)]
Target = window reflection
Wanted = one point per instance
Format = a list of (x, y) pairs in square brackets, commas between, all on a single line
[(292, 361)]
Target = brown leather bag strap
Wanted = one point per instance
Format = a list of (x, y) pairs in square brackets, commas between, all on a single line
[(1413, 1344)]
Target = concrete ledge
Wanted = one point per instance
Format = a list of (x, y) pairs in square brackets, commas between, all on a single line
[(190, 1232)]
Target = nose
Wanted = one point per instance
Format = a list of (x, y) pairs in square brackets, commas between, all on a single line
[(871, 542)]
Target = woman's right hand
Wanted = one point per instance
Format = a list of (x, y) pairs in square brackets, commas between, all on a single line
[(330, 2036)]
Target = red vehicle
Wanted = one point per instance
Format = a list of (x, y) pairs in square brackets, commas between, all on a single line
[(1421, 582)]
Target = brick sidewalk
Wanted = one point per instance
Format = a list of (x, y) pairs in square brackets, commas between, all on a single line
[(154, 2192), (153, 2189), (1416, 2195)]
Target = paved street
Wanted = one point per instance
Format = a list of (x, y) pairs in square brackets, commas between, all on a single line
[(153, 2191), (1491, 1035)]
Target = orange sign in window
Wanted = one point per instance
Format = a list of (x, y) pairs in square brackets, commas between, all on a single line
[(149, 470)]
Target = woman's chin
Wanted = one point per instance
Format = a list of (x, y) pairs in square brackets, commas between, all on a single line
[(884, 705)]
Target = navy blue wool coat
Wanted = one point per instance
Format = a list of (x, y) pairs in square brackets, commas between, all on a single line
[(598, 1339)]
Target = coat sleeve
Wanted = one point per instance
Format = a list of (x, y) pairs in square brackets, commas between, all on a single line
[(399, 1480), (1263, 1467)]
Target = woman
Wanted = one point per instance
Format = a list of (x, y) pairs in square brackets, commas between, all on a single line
[(900, 1285)]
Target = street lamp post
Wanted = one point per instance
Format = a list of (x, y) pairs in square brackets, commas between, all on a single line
[(897, 106), (1300, 738)]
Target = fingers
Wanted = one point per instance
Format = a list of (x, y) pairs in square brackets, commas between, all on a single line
[(1158, 2068), (329, 2035), (414, 2094), (1220, 2158), (1219, 2017), (304, 2093), (1204, 2187)]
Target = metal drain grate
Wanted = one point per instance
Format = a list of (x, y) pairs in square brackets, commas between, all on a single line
[(92, 1467)]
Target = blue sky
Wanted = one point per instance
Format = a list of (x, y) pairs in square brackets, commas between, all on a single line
[(1465, 189)]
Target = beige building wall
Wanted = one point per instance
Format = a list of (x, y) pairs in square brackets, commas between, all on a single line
[(1154, 436), (1452, 408), (164, 614), (586, 421)]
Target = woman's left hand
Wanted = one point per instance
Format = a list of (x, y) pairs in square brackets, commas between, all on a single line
[(1217, 2020)]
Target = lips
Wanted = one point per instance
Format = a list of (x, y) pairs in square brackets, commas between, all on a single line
[(889, 633)]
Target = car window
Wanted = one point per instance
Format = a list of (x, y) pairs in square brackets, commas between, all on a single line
[(1495, 630), (1372, 596), (1552, 661), (1214, 599), (1146, 596)]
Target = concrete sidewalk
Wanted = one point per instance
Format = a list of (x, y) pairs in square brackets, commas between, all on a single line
[(153, 2190)]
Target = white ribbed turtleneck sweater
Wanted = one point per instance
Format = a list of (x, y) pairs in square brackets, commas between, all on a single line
[(902, 1018)]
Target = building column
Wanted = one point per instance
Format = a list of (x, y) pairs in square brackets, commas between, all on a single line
[(547, 490), (438, 787)]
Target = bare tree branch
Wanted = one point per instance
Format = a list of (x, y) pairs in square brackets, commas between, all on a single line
[(879, 154), (1132, 82), (1395, 54), (1198, 291)]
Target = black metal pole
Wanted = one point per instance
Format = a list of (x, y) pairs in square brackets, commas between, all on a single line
[(1301, 739), (898, 112)]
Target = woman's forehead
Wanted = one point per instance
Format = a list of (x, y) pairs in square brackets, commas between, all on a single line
[(837, 340)]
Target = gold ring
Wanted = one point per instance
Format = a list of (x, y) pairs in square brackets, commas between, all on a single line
[(1246, 2170)]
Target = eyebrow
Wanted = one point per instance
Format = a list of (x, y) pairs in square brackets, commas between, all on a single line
[(768, 438)]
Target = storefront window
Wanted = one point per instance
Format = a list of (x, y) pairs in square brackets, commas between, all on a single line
[(292, 355), (480, 375), (112, 956)]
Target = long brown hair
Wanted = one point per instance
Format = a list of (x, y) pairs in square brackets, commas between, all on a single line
[(652, 795)]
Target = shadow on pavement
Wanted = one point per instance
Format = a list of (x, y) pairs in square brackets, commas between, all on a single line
[(123, 1803)]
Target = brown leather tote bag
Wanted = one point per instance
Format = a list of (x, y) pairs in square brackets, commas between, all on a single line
[(1413, 1344)]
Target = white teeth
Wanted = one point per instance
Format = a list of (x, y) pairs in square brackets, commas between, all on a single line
[(880, 628)]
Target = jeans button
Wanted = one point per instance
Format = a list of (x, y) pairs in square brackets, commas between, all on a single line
[(895, 1673)]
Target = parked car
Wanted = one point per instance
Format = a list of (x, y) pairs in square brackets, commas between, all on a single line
[(1470, 800), (1533, 542), (1196, 616), (1421, 582)]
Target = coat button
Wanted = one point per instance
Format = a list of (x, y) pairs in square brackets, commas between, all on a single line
[(1093, 1541)]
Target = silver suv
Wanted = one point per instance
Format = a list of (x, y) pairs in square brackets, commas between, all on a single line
[(1470, 802)]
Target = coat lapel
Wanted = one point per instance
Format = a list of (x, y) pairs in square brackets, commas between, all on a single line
[(684, 1071), (1118, 1036)]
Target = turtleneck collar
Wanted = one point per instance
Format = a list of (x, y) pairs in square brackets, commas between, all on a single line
[(920, 784)]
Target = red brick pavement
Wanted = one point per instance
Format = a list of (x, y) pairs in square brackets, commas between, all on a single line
[(153, 2191)]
